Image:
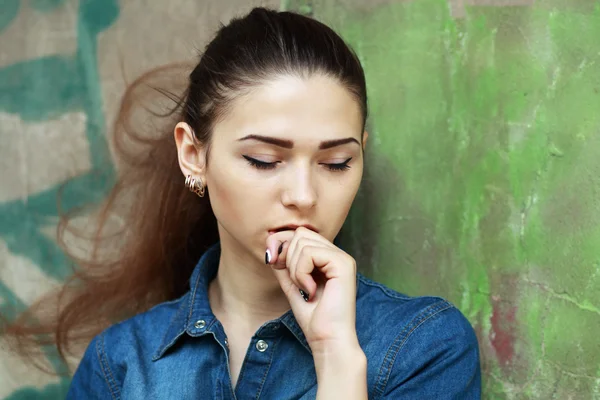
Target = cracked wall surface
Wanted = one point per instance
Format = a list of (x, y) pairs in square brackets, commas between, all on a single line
[(483, 177), (482, 180)]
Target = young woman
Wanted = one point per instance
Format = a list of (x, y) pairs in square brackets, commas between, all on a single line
[(237, 231)]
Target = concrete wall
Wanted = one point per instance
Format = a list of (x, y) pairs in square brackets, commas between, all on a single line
[(483, 172)]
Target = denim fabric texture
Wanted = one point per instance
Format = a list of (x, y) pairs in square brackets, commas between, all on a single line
[(416, 348)]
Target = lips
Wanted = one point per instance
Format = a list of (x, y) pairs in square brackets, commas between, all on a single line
[(292, 227)]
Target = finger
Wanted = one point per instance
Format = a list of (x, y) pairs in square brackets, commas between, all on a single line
[(278, 252), (281, 256), (304, 233), (276, 242), (310, 258), (330, 264), (293, 255), (290, 290)]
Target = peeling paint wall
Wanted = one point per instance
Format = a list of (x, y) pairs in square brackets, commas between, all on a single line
[(483, 169), (484, 178)]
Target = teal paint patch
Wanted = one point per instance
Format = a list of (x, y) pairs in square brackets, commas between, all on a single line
[(45, 5), (10, 305), (94, 17), (53, 391), (10, 9), (43, 88)]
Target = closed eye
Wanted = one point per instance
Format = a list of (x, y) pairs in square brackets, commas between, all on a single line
[(271, 165), (260, 164), (339, 166)]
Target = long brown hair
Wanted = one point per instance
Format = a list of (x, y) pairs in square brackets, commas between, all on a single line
[(151, 230)]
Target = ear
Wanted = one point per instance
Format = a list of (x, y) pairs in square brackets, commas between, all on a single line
[(364, 140), (192, 158)]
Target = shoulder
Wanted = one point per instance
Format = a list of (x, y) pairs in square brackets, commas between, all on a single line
[(386, 308), (146, 329), (145, 332), (122, 345), (415, 341)]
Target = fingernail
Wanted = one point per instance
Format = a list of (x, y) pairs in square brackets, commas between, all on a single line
[(268, 256), (304, 295), (280, 248)]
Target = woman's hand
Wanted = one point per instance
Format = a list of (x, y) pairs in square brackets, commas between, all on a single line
[(326, 311), (327, 276)]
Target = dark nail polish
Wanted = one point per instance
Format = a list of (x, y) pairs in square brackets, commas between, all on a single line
[(267, 256), (304, 295), (280, 248)]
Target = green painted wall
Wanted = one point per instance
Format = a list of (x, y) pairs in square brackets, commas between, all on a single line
[(483, 172), (484, 178)]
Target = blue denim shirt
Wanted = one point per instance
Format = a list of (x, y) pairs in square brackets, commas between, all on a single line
[(416, 348)]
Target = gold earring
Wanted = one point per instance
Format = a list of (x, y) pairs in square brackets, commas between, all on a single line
[(194, 185)]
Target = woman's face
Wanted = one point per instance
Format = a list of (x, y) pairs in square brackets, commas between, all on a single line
[(287, 153)]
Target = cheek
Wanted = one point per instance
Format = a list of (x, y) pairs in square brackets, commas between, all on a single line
[(235, 199), (338, 199), (343, 201)]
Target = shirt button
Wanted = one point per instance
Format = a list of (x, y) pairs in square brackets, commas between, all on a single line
[(226, 342), (261, 345), (200, 324)]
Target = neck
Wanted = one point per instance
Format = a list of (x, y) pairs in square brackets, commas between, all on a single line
[(245, 290)]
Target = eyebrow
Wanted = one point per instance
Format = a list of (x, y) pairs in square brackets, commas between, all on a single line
[(288, 144)]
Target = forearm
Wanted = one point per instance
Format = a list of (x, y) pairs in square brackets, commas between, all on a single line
[(341, 373)]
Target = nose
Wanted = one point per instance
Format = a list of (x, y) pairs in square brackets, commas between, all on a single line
[(300, 189)]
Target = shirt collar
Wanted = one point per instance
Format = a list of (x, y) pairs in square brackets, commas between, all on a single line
[(194, 315)]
